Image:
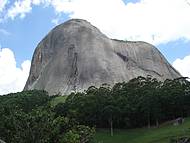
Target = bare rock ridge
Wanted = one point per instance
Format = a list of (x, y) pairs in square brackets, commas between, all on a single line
[(76, 55)]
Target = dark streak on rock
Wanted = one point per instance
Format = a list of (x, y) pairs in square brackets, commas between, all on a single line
[(123, 57), (75, 69)]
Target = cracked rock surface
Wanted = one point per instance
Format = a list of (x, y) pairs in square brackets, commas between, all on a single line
[(76, 55)]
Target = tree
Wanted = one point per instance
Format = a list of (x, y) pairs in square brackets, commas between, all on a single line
[(110, 113)]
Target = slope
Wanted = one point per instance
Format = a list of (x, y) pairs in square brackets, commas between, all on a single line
[(144, 135)]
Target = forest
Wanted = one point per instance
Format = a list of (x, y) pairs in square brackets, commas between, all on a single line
[(28, 116)]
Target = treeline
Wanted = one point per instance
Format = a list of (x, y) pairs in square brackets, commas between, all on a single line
[(137, 103), (27, 117)]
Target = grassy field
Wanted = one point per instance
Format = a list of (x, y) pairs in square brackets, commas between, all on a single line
[(59, 99), (163, 134), (144, 135)]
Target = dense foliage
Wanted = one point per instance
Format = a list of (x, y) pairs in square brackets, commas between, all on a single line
[(137, 103), (27, 117), (26, 100)]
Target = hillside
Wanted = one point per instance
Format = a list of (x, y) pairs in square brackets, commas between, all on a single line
[(144, 135), (34, 116), (163, 134)]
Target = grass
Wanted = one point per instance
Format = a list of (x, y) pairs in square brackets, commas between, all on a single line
[(144, 135), (163, 134), (59, 99)]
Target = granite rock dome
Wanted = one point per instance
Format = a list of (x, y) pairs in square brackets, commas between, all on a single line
[(76, 55)]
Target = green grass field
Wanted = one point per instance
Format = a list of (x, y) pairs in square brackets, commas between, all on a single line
[(59, 99), (144, 135), (163, 134)]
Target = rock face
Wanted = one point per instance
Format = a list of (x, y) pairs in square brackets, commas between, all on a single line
[(76, 55)]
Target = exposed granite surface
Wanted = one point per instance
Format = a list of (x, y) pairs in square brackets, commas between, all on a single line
[(76, 55)]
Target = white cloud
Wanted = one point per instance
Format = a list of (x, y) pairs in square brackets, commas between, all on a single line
[(154, 21), (12, 78), (55, 21), (20, 8), (3, 4), (183, 66), (5, 32), (188, 2)]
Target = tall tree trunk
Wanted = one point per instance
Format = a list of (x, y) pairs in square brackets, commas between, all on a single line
[(182, 113), (149, 120), (157, 123), (111, 126)]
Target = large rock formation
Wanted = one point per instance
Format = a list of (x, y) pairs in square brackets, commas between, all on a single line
[(76, 55)]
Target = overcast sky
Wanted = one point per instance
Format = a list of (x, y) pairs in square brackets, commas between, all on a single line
[(23, 24)]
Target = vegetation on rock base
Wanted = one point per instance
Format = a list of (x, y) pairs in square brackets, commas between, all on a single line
[(33, 116), (27, 117)]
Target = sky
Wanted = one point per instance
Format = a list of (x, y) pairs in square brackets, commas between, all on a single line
[(24, 23)]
